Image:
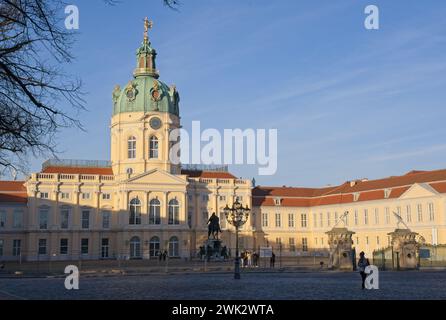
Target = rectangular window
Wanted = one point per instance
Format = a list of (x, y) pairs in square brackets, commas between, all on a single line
[(346, 218), (16, 248), (328, 219), (239, 198), (205, 217), (336, 218), (304, 244), (431, 211), (315, 241), (2, 219), (42, 246), (85, 196), (63, 246), (398, 211), (303, 220), (356, 217), (366, 216), (357, 240), (315, 220), (367, 240), (106, 196), (321, 219), (2, 243), (291, 220), (205, 197), (408, 213), (264, 220), (106, 219), (18, 219), (420, 212), (44, 195), (376, 216), (84, 246), (377, 240), (64, 218), (85, 219), (278, 220), (131, 148), (387, 216), (64, 195), (104, 248), (279, 242), (292, 244), (222, 198), (43, 219)]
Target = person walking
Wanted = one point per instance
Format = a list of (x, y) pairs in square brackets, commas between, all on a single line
[(272, 260), (362, 264)]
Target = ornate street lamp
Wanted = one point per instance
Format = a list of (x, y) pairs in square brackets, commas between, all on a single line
[(237, 216)]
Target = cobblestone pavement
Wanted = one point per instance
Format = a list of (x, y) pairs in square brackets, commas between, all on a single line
[(267, 286)]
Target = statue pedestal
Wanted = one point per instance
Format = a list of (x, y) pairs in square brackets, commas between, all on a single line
[(340, 242), (405, 249), (213, 249)]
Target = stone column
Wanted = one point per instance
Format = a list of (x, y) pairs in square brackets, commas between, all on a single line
[(340, 242)]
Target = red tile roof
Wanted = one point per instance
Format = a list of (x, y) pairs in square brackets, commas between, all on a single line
[(79, 170), (208, 174), (13, 191), (366, 189)]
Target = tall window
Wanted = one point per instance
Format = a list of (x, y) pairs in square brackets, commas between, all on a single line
[(106, 219), (16, 247), (264, 219), (43, 218), (84, 246), (336, 218), (18, 219), (291, 220), (154, 212), (63, 249), (2, 219), (376, 216), (85, 219), (153, 148), (64, 218), (131, 148), (408, 213), (278, 220), (356, 217), (315, 220), (135, 211), (104, 248), (366, 217), (135, 248), (321, 220), (174, 212), (420, 212), (174, 247), (292, 244), (431, 211), (387, 215), (304, 244), (154, 246), (303, 220), (42, 246), (328, 219)]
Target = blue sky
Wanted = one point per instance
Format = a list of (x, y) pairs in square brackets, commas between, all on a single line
[(347, 102)]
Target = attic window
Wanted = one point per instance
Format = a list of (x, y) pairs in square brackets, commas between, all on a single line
[(355, 197), (387, 193), (277, 201)]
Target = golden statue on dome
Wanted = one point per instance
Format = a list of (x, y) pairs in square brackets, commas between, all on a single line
[(147, 25)]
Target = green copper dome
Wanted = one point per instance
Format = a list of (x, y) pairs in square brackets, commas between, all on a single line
[(145, 93)]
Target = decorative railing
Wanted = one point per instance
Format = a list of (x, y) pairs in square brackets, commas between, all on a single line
[(72, 177)]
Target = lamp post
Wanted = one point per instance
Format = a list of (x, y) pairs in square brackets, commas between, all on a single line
[(237, 216)]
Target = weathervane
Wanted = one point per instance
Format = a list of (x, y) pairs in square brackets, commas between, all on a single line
[(147, 25)]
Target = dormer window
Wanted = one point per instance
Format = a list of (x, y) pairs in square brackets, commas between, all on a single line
[(355, 197), (277, 201), (387, 193)]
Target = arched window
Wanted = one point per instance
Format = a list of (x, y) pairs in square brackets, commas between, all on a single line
[(154, 246), (135, 211), (153, 147), (135, 248), (174, 247), (174, 212), (131, 147), (154, 212)]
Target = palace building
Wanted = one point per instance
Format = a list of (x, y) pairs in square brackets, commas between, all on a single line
[(140, 203)]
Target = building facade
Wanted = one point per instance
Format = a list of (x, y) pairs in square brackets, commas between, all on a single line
[(140, 203)]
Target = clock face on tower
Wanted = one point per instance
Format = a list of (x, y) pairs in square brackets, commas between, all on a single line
[(155, 123)]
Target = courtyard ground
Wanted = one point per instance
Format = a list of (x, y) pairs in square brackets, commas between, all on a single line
[(221, 286)]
